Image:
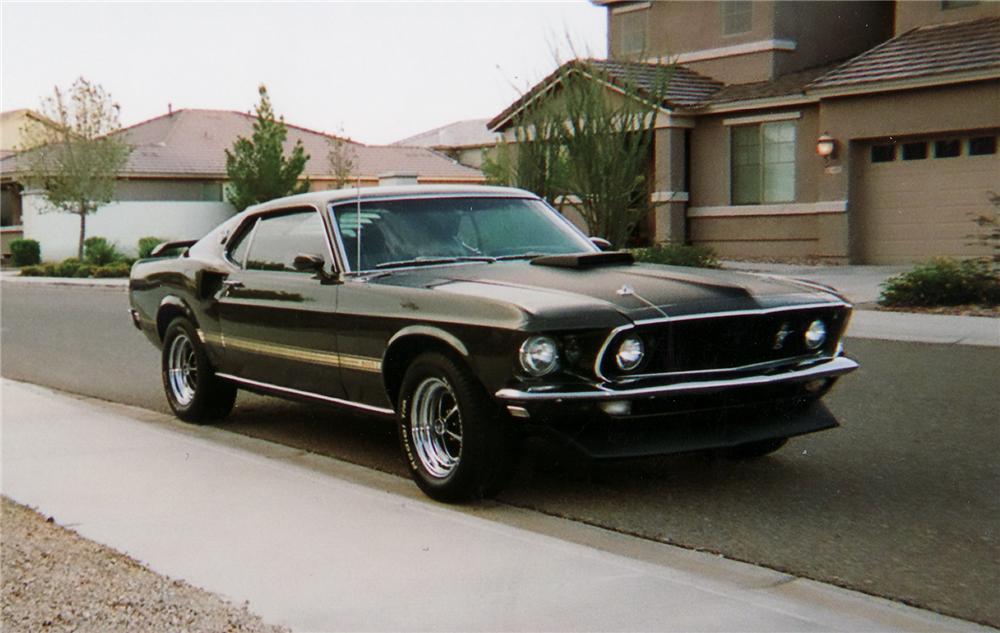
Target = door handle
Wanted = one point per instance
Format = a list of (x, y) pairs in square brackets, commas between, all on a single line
[(232, 283)]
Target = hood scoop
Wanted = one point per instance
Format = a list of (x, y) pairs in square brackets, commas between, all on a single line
[(585, 260)]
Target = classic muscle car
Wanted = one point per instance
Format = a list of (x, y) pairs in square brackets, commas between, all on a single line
[(475, 315)]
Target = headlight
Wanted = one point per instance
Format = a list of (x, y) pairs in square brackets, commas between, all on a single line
[(539, 355), (815, 334), (630, 353)]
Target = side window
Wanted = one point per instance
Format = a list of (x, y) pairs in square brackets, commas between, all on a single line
[(279, 238), (238, 247)]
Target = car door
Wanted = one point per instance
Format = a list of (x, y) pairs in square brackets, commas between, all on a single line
[(276, 317)]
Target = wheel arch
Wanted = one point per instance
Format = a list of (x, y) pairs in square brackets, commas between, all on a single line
[(170, 308), (410, 342)]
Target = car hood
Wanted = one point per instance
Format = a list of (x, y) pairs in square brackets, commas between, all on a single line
[(637, 291)]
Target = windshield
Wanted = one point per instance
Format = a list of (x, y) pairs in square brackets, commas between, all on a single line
[(442, 230)]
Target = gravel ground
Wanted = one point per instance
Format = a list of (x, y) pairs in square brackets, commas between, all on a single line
[(53, 579)]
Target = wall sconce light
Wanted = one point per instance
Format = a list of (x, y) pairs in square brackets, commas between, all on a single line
[(826, 146)]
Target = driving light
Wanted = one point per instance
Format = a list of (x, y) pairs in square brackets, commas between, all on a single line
[(815, 334), (630, 353), (539, 355)]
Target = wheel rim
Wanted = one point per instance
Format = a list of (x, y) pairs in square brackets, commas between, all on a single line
[(436, 427), (182, 369)]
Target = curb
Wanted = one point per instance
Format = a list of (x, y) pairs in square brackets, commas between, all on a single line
[(112, 282)]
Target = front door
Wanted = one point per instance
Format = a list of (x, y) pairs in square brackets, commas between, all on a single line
[(277, 321)]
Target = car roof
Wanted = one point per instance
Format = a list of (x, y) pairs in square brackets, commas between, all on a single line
[(322, 198)]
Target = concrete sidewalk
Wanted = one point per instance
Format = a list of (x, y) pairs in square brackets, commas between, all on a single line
[(319, 545)]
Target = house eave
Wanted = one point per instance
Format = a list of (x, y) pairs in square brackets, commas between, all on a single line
[(904, 84)]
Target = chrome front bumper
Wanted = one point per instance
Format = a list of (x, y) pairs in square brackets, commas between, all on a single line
[(829, 369)]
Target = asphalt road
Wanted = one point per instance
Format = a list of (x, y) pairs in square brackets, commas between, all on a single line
[(902, 501)]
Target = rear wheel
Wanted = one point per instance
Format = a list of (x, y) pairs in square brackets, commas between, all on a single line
[(193, 391), (458, 444)]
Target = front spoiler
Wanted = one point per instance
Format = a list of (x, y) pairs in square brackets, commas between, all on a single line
[(829, 369)]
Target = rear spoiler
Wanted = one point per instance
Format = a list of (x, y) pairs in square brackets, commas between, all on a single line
[(169, 246)]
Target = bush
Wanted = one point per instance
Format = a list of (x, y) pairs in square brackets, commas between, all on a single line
[(25, 252), (97, 251), (147, 244), (85, 270), (678, 255), (67, 267), (943, 282), (33, 271), (117, 269)]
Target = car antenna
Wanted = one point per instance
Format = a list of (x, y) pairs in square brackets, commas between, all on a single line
[(357, 230)]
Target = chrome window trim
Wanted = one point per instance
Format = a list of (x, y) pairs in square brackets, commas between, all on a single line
[(692, 317), (308, 394), (836, 367)]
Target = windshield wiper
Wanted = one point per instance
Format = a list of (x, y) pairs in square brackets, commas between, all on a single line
[(431, 261), (531, 255)]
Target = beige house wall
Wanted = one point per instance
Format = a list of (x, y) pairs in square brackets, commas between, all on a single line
[(911, 14), (828, 31)]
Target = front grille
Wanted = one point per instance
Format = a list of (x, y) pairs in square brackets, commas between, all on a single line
[(726, 343)]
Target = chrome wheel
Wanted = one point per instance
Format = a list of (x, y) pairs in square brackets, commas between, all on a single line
[(436, 427), (182, 369)]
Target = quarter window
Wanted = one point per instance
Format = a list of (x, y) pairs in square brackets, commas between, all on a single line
[(238, 247), (737, 16), (278, 239), (763, 163)]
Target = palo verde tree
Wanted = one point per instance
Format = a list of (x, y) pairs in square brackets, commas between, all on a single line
[(77, 153), (591, 139), (257, 167), (607, 132), (536, 161)]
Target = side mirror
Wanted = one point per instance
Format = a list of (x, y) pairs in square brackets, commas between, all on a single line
[(307, 263), (601, 243)]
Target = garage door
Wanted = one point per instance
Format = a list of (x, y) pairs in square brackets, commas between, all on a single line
[(916, 199)]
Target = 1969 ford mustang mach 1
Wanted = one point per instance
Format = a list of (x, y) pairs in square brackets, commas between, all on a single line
[(475, 315)]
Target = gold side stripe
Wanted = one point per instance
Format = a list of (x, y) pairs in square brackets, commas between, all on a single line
[(329, 359)]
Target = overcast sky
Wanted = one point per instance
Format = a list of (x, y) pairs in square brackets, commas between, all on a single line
[(380, 70)]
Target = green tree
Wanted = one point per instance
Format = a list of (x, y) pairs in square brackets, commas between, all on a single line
[(76, 161), (591, 138), (257, 167), (536, 161), (608, 141)]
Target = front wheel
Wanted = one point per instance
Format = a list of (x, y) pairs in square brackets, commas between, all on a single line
[(193, 391), (457, 442)]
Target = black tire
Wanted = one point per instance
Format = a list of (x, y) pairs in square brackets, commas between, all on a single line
[(752, 450), (482, 459), (193, 391)]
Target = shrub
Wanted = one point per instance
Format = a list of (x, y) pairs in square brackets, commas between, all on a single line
[(678, 255), (98, 251), (85, 270), (147, 244), (943, 282), (33, 271), (117, 269), (67, 267), (25, 252)]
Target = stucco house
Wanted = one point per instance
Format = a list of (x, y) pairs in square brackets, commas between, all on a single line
[(465, 141), (173, 184), (836, 131)]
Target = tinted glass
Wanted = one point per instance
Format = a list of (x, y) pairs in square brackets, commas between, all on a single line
[(982, 146), (947, 149), (238, 247), (883, 153), (403, 230), (278, 239), (914, 151)]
